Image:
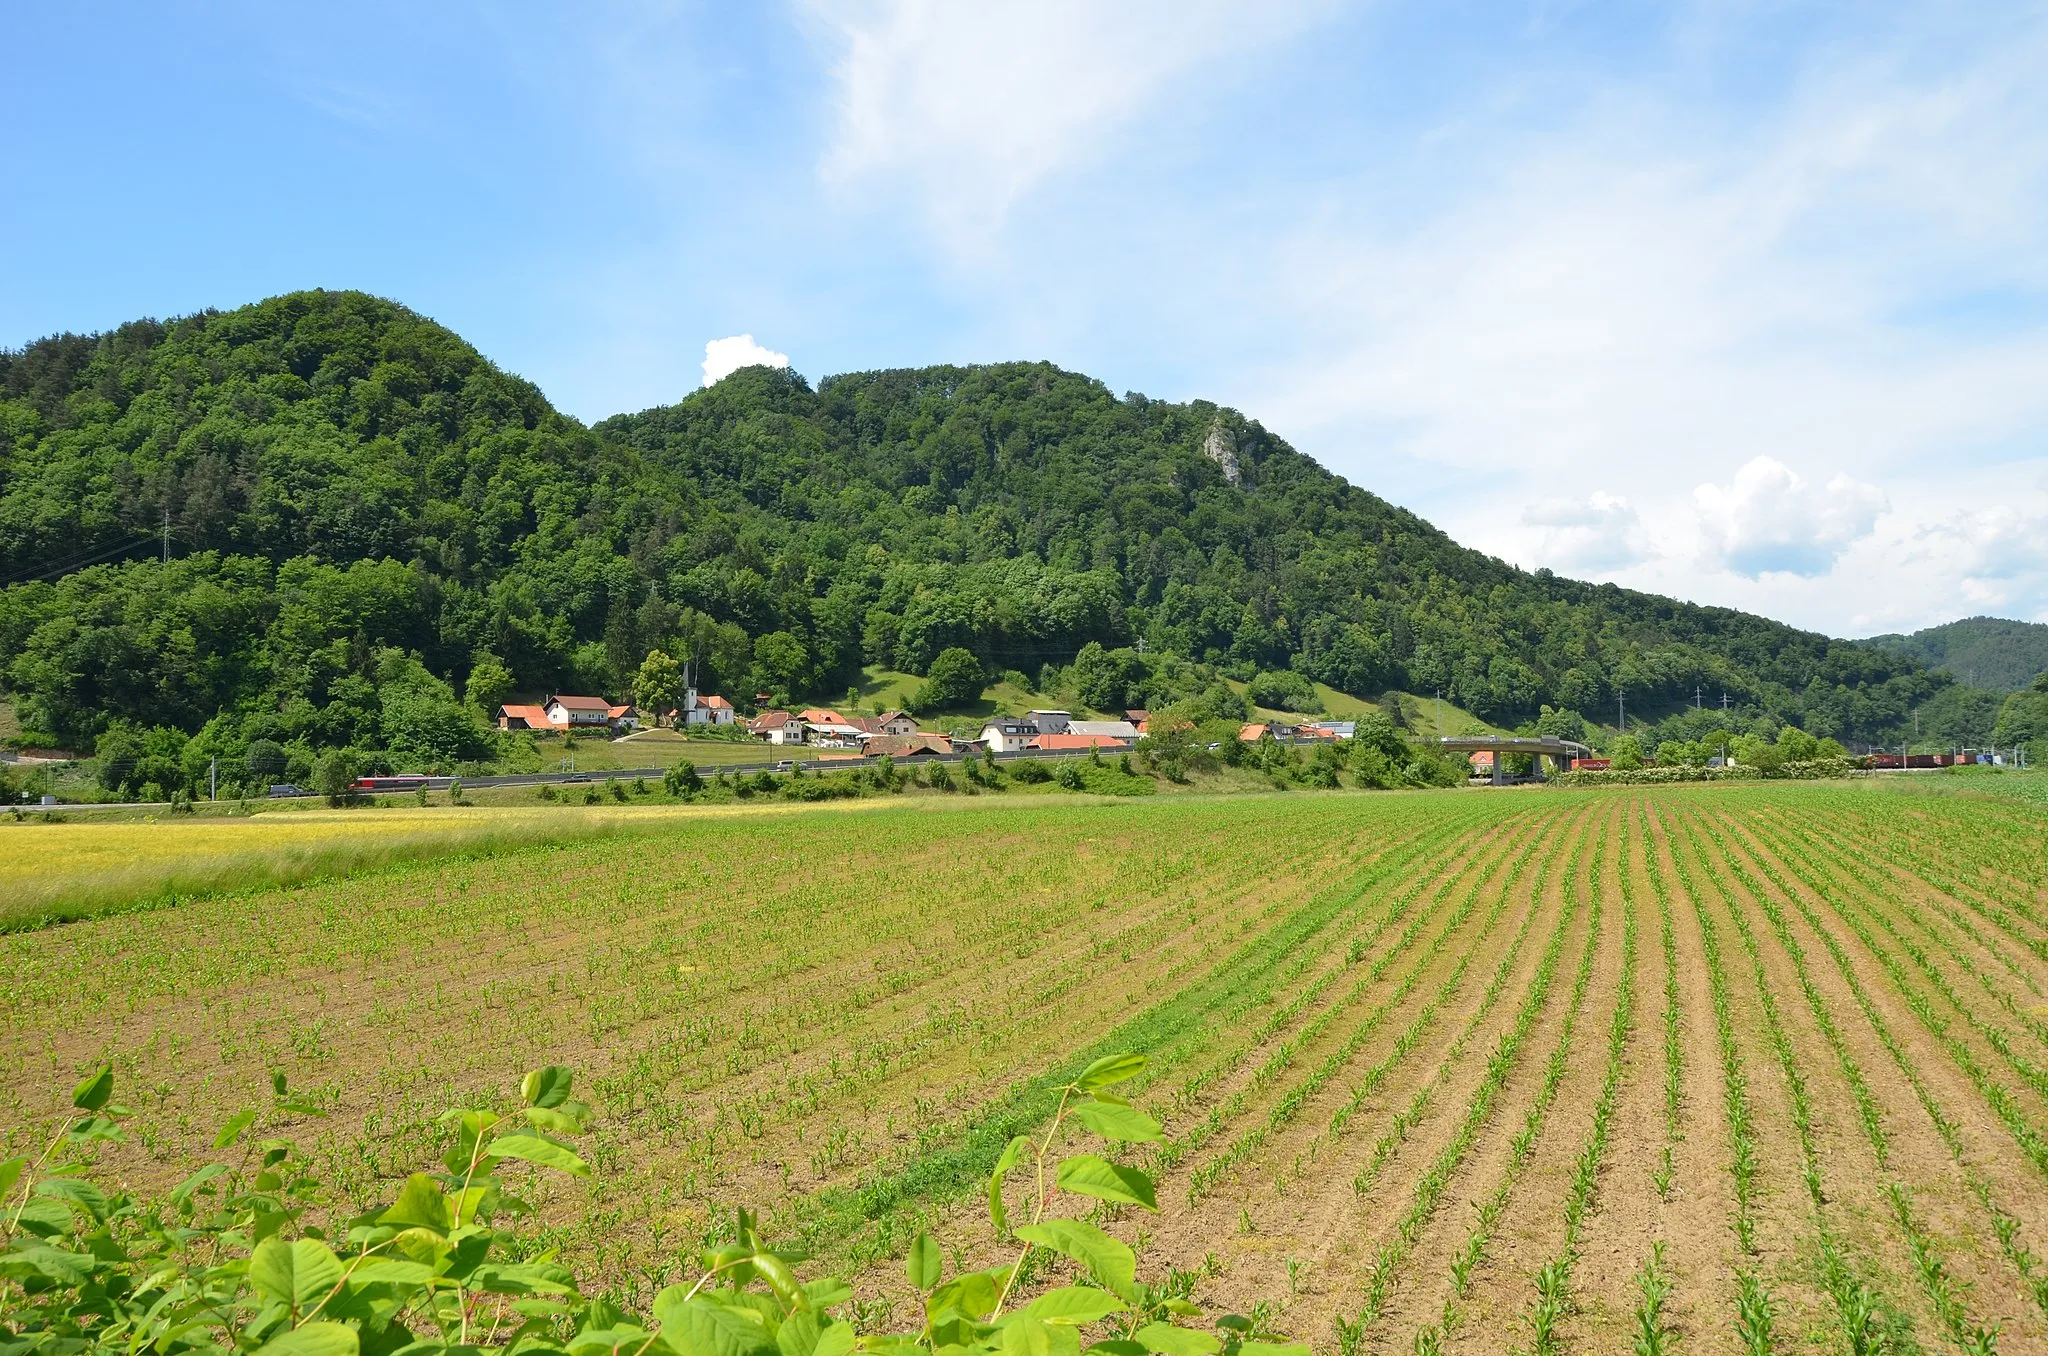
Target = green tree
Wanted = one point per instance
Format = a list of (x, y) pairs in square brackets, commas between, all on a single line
[(954, 679), (782, 663), (658, 686), (1284, 690), (488, 685), (334, 776), (1627, 755)]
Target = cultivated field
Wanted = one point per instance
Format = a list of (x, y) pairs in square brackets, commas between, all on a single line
[(1758, 1067)]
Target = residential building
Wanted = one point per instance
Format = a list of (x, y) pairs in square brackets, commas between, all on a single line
[(1121, 730), (1069, 742), (777, 727), (1049, 722), (1007, 734), (622, 718), (1331, 729), (566, 712), (895, 723), (524, 718)]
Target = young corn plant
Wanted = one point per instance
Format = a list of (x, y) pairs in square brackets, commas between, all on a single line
[(1653, 1335)]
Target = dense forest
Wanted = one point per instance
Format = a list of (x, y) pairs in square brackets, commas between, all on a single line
[(372, 532), (1986, 652)]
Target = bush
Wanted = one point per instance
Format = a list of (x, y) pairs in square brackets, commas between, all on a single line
[(1283, 690), (334, 777), (1030, 771), (452, 1261), (1071, 777), (682, 779), (954, 679)]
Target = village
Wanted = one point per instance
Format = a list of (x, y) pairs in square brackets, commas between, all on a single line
[(888, 733)]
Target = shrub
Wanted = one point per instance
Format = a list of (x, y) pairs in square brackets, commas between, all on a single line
[(445, 1265), (1071, 777), (1030, 771), (954, 679), (682, 779), (1284, 690)]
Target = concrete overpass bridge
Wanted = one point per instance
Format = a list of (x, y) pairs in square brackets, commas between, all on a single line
[(1560, 752)]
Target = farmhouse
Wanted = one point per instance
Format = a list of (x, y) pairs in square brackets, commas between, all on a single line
[(1007, 734), (524, 718), (566, 712), (777, 727), (1049, 722), (562, 713)]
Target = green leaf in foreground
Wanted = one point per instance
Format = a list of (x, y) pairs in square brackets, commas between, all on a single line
[(1108, 1259), (92, 1094), (1117, 1122), (1168, 1340), (1088, 1175), (312, 1339)]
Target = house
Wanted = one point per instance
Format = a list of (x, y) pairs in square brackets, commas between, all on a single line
[(895, 723), (1137, 716), (567, 713), (1331, 729), (1007, 734), (622, 717), (1067, 743), (1256, 730), (906, 745), (711, 710), (777, 727), (524, 718), (1049, 722), (818, 715), (1120, 730)]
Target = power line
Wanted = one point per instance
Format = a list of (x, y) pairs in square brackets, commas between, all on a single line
[(77, 562)]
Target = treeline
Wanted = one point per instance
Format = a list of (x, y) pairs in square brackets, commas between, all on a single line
[(364, 515)]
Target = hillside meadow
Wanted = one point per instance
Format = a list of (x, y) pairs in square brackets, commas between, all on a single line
[(1746, 1067)]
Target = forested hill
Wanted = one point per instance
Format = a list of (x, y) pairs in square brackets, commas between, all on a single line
[(1986, 652), (362, 509)]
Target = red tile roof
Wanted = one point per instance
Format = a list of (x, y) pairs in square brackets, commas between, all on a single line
[(1074, 741), (535, 716), (715, 702)]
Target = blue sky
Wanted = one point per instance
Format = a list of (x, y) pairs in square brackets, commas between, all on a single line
[(1742, 302)]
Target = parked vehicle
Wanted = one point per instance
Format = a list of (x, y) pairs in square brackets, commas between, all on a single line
[(285, 790)]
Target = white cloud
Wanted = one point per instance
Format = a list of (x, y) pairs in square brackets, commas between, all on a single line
[(1770, 520), (966, 107), (723, 357), (1600, 532), (1999, 554)]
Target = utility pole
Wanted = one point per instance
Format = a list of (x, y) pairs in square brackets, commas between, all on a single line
[(1724, 699), (1695, 696), (1439, 715), (213, 779), (167, 535), (1621, 710)]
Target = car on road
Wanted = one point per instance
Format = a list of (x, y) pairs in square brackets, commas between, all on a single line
[(786, 765), (578, 777), (284, 790)]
